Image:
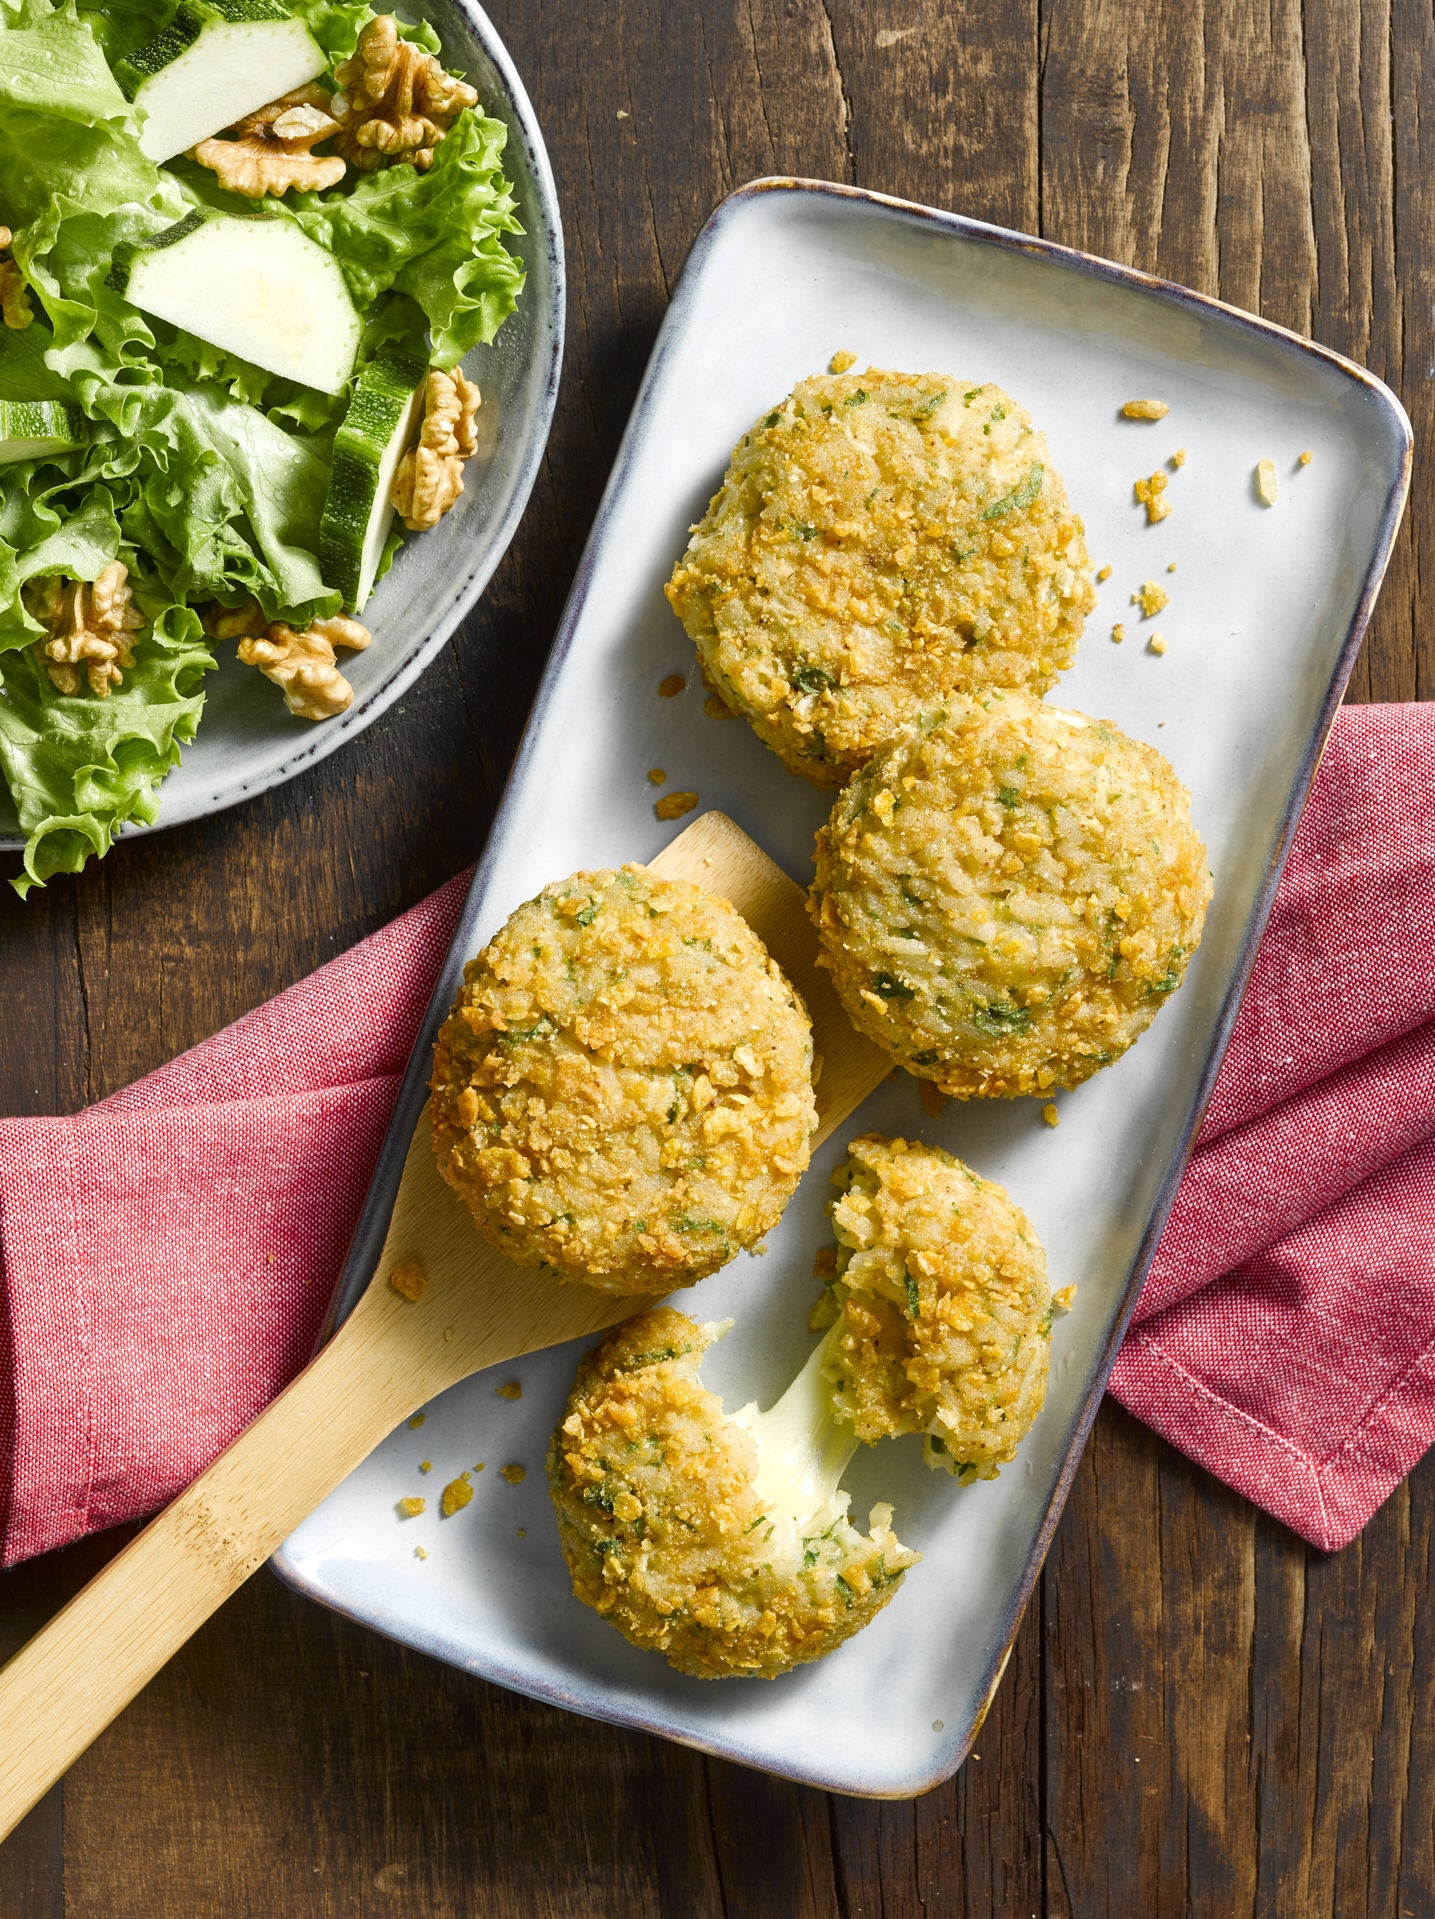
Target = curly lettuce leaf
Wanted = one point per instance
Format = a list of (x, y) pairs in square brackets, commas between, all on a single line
[(204, 474), (80, 769), (290, 405), (436, 236), (73, 180), (24, 372), (49, 524), (337, 24), (222, 501)]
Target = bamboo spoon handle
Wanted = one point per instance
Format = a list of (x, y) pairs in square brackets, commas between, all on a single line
[(389, 1357), (63, 1688)]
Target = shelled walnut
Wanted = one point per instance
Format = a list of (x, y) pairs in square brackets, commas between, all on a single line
[(301, 664), (271, 149), (14, 294), (399, 101), (430, 475), (91, 623)]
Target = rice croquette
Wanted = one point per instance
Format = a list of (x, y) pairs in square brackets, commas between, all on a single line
[(1007, 896), (942, 1304), (669, 1535), (623, 1090), (881, 541)]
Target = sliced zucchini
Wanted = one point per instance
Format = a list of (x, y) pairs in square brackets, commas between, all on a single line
[(381, 424), (216, 61), (254, 285), (29, 429)]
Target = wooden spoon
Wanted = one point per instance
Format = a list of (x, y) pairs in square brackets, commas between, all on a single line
[(390, 1356)]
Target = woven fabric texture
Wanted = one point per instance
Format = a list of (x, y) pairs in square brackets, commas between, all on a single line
[(166, 1256)]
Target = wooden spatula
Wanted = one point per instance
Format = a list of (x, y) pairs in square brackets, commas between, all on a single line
[(390, 1356)]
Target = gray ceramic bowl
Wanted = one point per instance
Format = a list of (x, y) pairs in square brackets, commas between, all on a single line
[(247, 742)]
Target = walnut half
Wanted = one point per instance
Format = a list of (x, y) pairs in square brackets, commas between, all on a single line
[(399, 100), (90, 626), (430, 475), (14, 294), (271, 148), (300, 664)]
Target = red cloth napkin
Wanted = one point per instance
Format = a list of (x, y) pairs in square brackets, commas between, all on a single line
[(167, 1255)]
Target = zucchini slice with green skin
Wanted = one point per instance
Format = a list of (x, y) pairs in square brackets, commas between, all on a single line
[(216, 61), (30, 429), (381, 424), (255, 285)]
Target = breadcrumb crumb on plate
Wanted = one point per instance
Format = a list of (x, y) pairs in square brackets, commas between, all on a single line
[(1150, 597), (673, 806), (456, 1495), (1151, 493)]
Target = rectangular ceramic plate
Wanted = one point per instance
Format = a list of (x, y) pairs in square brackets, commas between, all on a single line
[(1267, 611)]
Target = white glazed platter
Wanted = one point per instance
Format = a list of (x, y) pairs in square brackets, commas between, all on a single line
[(1268, 606), (246, 741)]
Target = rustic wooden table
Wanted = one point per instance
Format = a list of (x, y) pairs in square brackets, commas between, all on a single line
[(1202, 1716)]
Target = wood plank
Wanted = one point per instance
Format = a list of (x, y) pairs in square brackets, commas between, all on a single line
[(290, 1762), (285, 1739), (1367, 295), (1203, 146), (941, 104)]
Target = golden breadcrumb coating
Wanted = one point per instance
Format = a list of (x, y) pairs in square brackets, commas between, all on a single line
[(1008, 895), (943, 1308), (623, 1090), (880, 541), (664, 1531)]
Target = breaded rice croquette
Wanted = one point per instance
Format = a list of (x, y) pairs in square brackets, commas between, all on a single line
[(942, 1306), (710, 1537), (881, 541), (1008, 895), (623, 1090)]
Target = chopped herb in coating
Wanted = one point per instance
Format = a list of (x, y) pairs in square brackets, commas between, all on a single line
[(562, 1117), (1007, 932), (945, 556), (725, 1543), (962, 1358)]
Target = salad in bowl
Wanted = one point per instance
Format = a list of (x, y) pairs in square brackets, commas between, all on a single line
[(244, 247)]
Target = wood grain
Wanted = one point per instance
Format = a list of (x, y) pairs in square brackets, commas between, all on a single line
[(1280, 155)]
